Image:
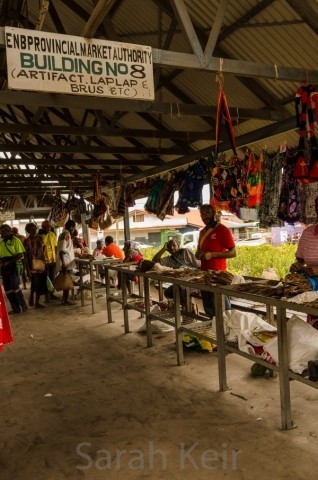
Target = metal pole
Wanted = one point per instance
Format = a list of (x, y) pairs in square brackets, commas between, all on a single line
[(219, 308)]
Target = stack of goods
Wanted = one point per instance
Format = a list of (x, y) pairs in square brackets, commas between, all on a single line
[(218, 277), (295, 283), (260, 288)]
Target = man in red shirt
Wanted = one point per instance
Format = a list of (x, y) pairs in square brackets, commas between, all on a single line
[(216, 244)]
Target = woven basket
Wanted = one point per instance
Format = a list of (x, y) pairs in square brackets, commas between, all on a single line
[(63, 282)]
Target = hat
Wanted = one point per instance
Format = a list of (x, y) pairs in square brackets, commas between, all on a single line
[(46, 224)]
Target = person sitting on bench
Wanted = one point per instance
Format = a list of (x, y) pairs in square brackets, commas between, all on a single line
[(179, 257)]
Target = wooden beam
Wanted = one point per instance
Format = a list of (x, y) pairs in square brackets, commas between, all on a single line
[(99, 13), (241, 141), (186, 25), (13, 148), (236, 67), (214, 34), (173, 109), (60, 172), (241, 21), (101, 162), (308, 12)]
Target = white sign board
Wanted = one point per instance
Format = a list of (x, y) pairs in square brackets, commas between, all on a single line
[(4, 216), (49, 62)]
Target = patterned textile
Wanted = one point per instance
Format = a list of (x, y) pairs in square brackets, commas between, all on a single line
[(171, 185), (289, 201), (272, 186), (306, 168), (229, 184), (254, 179), (308, 194), (190, 194), (154, 196)]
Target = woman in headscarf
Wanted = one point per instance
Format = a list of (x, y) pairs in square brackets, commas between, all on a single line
[(35, 264), (132, 254)]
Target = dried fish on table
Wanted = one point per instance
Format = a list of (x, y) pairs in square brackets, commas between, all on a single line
[(218, 277), (295, 283)]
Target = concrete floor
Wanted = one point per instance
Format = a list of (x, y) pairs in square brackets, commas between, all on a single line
[(82, 400)]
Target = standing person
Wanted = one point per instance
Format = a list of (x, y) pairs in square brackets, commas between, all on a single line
[(65, 259), (11, 252), (112, 250), (34, 250), (23, 275), (49, 244), (307, 249), (216, 244), (179, 257)]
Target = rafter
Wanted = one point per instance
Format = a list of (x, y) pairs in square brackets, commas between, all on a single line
[(186, 25), (99, 13), (214, 34)]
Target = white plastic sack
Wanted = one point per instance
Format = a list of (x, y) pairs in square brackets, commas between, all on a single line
[(236, 322), (156, 325), (302, 341)]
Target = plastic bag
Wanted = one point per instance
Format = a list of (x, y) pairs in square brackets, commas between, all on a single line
[(49, 285)]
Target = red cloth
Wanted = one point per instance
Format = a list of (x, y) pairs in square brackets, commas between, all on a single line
[(219, 240), (5, 328)]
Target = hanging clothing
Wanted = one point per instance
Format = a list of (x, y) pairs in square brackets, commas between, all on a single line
[(190, 194), (305, 167), (173, 182), (152, 202), (254, 180), (272, 180), (229, 184), (289, 200)]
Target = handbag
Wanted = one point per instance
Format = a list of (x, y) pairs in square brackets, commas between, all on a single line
[(38, 265), (58, 211), (63, 282)]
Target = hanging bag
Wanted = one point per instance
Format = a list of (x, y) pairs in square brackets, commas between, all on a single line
[(63, 282), (58, 210), (38, 265)]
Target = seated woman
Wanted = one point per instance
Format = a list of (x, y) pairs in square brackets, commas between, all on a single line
[(132, 254)]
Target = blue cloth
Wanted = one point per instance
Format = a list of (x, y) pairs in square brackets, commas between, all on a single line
[(313, 281)]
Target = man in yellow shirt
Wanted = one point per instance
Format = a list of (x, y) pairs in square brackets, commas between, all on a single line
[(50, 243)]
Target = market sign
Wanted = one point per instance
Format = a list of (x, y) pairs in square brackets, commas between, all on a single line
[(50, 62), (4, 216)]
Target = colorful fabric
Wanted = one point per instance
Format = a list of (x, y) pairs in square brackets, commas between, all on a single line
[(228, 185), (306, 169), (113, 250), (272, 180), (190, 193), (254, 180), (289, 202), (219, 240), (50, 244)]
